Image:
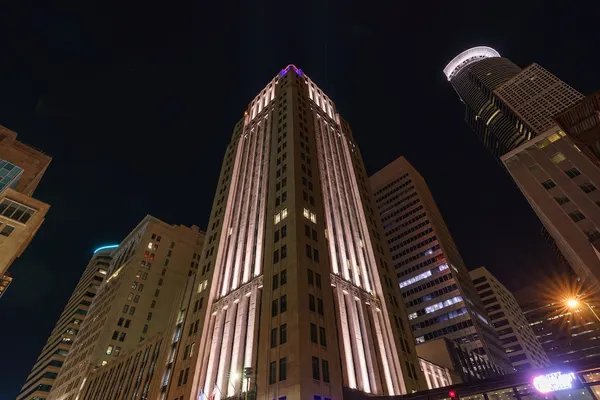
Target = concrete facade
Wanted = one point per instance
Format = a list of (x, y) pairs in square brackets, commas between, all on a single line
[(436, 288)]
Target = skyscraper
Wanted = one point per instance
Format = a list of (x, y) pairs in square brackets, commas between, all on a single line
[(136, 300), (514, 113), (519, 341), (506, 105), (44, 372), (436, 288), (295, 277), (21, 169)]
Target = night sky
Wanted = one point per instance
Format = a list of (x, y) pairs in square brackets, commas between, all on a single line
[(136, 102)]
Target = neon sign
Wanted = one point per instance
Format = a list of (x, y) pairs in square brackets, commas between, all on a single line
[(553, 382), (286, 69)]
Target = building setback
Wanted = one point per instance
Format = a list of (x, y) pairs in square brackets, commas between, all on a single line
[(135, 302), (21, 169), (436, 288), (519, 341), (44, 372)]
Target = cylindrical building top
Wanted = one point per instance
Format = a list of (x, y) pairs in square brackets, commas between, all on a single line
[(467, 57)]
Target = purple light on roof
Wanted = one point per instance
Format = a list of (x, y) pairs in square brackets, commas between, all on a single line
[(286, 69)]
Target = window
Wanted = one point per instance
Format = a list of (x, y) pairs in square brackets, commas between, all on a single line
[(314, 235), (306, 213), (315, 369), (310, 276), (562, 200), (326, 371), (313, 218), (127, 323), (115, 335), (593, 234), (274, 308), (307, 230), (284, 213), (272, 372), (275, 256), (308, 251), (549, 184), (125, 308), (145, 328), (576, 216), (558, 157), (283, 369), (316, 255), (311, 302), (15, 211), (7, 230), (587, 187), (275, 281), (122, 336), (283, 303), (131, 310), (273, 338), (313, 333), (318, 280), (276, 236), (283, 252), (572, 172), (120, 323), (283, 334), (283, 275), (322, 336), (283, 231), (320, 306)]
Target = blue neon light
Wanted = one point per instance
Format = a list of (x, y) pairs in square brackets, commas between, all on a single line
[(110, 246), (286, 69)]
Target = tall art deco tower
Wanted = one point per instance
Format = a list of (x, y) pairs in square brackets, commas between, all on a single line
[(298, 280)]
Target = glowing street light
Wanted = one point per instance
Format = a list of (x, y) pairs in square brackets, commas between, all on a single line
[(573, 303)]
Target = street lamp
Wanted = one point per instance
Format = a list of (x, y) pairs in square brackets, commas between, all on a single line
[(573, 303)]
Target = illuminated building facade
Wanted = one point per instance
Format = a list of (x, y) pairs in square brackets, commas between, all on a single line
[(296, 292), (136, 301), (581, 123), (44, 372), (568, 338), (519, 341), (21, 169), (436, 288)]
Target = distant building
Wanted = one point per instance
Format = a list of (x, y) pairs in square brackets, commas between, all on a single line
[(519, 341), (44, 372), (135, 302), (435, 375), (459, 364), (21, 169), (440, 298), (567, 337)]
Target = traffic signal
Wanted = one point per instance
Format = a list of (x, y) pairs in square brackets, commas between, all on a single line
[(452, 394)]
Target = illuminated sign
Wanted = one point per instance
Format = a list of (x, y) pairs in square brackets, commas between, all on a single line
[(555, 381)]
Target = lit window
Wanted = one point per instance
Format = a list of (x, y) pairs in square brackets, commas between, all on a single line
[(306, 213), (109, 350), (313, 218), (150, 245), (412, 315), (558, 157), (277, 218), (284, 213)]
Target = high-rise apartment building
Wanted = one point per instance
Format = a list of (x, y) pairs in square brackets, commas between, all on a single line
[(436, 288), (21, 169), (136, 300), (295, 295), (581, 122), (514, 111), (44, 372), (519, 341)]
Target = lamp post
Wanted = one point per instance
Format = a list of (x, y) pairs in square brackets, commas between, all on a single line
[(573, 303)]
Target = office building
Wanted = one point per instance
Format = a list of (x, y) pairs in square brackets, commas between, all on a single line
[(519, 341), (560, 182), (44, 372), (135, 302), (436, 288), (568, 337), (21, 169), (435, 375), (514, 112), (506, 105), (296, 293)]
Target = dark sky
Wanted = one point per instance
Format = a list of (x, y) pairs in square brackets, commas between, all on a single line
[(136, 102)]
